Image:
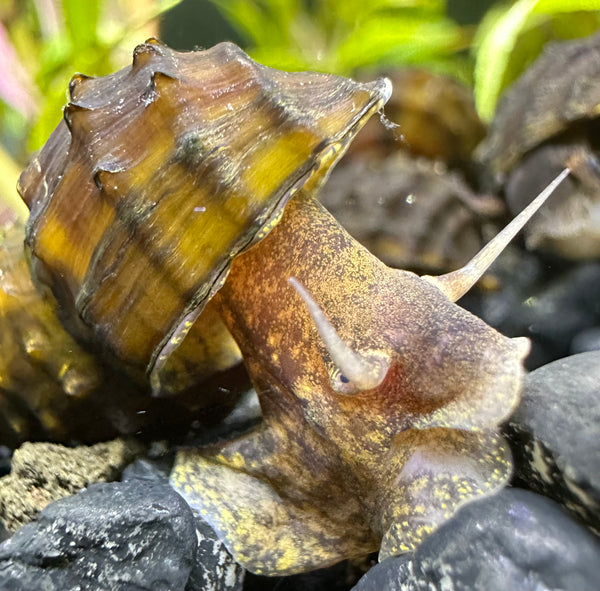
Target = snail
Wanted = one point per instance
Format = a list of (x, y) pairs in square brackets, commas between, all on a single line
[(546, 120), (173, 217)]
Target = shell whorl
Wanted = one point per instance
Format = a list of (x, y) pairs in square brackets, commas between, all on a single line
[(162, 172)]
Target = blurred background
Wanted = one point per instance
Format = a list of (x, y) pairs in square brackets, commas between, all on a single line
[(485, 44)]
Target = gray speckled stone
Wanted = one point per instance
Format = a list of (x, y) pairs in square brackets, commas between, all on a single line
[(214, 569), (120, 536), (555, 434), (43, 472), (513, 541)]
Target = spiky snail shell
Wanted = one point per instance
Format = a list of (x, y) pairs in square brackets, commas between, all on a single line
[(158, 176)]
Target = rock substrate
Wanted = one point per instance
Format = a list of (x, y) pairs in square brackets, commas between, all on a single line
[(555, 434), (515, 540)]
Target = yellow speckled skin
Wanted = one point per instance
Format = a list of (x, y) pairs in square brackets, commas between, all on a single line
[(329, 476)]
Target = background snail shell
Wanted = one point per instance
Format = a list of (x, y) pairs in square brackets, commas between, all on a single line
[(53, 388), (411, 213), (548, 119), (158, 176)]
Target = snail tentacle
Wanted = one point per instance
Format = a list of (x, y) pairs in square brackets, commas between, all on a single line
[(457, 283), (358, 371)]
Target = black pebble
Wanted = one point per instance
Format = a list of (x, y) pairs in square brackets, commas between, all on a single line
[(555, 434), (515, 540), (119, 536)]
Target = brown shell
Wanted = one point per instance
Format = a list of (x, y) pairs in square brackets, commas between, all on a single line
[(548, 120), (558, 90), (158, 176)]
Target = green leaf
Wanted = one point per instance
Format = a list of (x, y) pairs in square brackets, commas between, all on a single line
[(342, 35), (9, 173), (399, 39), (260, 21), (81, 20), (162, 6), (557, 6)]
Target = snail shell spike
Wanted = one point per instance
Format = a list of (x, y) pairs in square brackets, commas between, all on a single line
[(457, 283), (117, 194), (362, 372)]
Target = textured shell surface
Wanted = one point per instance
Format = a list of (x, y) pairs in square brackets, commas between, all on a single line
[(547, 120), (160, 174), (559, 89)]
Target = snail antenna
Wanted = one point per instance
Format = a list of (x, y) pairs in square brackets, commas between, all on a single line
[(457, 283), (363, 372)]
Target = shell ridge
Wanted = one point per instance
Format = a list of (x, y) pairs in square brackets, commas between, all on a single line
[(98, 92), (94, 281), (171, 341), (91, 283), (144, 53), (160, 81), (77, 84), (36, 203), (229, 52), (107, 166), (71, 111), (154, 55)]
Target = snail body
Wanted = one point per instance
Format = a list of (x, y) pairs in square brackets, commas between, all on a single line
[(381, 399), (339, 467)]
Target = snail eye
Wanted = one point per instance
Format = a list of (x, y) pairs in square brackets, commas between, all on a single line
[(341, 383)]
